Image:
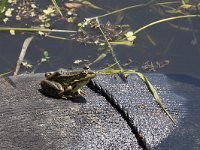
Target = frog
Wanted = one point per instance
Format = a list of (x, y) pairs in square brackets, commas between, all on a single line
[(65, 83)]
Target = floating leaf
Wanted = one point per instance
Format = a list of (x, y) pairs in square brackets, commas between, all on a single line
[(46, 56), (78, 61), (12, 32), (8, 12), (48, 11), (33, 6), (130, 37), (26, 64), (5, 20), (72, 5), (41, 33)]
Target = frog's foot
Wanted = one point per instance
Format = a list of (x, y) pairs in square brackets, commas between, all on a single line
[(81, 92)]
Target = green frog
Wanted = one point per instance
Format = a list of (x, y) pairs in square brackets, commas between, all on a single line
[(63, 83)]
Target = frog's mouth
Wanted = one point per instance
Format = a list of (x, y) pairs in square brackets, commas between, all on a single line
[(91, 75)]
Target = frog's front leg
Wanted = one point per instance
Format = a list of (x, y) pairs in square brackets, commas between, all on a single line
[(70, 92), (81, 92), (52, 88)]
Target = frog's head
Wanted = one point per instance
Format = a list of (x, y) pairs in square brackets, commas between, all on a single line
[(81, 79), (86, 75)]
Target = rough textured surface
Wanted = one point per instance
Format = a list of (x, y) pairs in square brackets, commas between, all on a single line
[(114, 114), (135, 101), (30, 120), (187, 134)]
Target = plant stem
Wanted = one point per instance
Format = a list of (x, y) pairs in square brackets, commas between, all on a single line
[(109, 46), (163, 20)]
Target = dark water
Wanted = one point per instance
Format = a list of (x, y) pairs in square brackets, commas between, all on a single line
[(169, 43)]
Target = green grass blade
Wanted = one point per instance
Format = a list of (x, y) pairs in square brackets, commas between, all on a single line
[(121, 10), (6, 73), (155, 94), (57, 7), (36, 30), (163, 20), (147, 83)]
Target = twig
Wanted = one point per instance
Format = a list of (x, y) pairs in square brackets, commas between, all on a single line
[(22, 54)]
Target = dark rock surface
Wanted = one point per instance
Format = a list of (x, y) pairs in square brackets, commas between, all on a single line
[(114, 114), (30, 120), (137, 104)]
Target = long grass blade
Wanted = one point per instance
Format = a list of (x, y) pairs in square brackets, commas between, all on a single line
[(163, 20), (155, 94), (35, 30), (4, 74), (147, 83), (57, 7), (121, 10)]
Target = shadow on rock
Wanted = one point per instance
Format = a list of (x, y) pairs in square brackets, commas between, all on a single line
[(76, 99)]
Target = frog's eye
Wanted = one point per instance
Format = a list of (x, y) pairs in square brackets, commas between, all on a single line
[(48, 74), (84, 72)]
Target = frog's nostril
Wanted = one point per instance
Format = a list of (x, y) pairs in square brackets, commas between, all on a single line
[(46, 74)]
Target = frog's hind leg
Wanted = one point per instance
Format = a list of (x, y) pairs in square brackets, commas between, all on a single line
[(51, 88)]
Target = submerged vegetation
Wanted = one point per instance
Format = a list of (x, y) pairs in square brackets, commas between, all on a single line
[(90, 30)]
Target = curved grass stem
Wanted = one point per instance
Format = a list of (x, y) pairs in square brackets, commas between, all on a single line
[(163, 20), (120, 10)]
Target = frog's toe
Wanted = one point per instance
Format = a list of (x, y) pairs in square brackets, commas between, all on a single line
[(81, 92)]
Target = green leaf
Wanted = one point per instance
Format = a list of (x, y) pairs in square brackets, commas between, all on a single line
[(46, 56), (101, 57), (2, 5)]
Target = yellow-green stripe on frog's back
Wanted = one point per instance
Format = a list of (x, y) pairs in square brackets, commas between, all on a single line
[(66, 78)]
